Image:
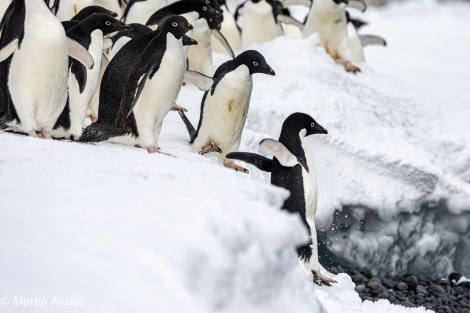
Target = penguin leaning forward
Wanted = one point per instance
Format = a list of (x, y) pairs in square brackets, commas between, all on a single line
[(293, 168), (328, 19), (135, 99), (224, 107)]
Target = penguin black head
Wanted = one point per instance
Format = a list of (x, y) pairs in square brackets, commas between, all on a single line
[(175, 24), (103, 21), (215, 22), (206, 10), (255, 62), (297, 122)]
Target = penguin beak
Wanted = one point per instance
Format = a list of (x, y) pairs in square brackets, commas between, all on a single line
[(189, 26), (113, 14), (271, 72), (128, 27), (325, 131)]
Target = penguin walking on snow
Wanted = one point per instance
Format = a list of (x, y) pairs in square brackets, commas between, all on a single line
[(134, 111), (328, 19), (37, 77), (225, 106), (293, 168), (82, 82)]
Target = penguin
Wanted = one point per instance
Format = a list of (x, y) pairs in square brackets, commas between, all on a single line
[(135, 115), (84, 13), (328, 19), (357, 41), (12, 28), (261, 20), (229, 30), (82, 82), (200, 55), (37, 82), (190, 9), (293, 168), (225, 106)]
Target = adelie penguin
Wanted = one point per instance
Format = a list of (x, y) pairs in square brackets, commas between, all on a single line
[(133, 112), (37, 82), (328, 19), (82, 82), (225, 106), (293, 168)]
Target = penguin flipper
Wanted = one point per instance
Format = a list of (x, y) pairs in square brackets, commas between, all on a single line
[(189, 127), (221, 38), (79, 71), (358, 5), (79, 53), (282, 154), (95, 132), (8, 49), (290, 20), (257, 160), (372, 40), (200, 80)]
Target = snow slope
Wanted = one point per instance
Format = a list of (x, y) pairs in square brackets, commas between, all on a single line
[(120, 230)]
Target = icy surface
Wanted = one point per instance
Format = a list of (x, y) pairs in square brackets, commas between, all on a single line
[(127, 231)]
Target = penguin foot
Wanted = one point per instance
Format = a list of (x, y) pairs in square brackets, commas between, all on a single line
[(3, 126), (176, 107), (236, 167), (322, 280), (46, 134), (349, 67), (212, 147), (153, 149)]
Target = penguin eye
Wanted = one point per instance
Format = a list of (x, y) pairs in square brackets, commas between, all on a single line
[(255, 63), (108, 23), (210, 19), (174, 24), (312, 125), (204, 8)]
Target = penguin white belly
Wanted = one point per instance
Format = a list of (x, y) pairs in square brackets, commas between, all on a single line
[(79, 102), (69, 8), (38, 73), (357, 53), (140, 12), (230, 31), (258, 23), (224, 113), (160, 92), (200, 55), (329, 21)]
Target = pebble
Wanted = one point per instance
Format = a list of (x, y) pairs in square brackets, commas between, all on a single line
[(439, 295)]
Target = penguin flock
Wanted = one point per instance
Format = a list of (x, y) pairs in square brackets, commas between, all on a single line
[(111, 70)]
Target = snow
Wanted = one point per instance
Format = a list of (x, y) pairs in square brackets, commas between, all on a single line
[(121, 230)]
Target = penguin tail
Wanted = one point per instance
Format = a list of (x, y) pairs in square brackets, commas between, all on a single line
[(95, 132), (189, 127), (257, 160)]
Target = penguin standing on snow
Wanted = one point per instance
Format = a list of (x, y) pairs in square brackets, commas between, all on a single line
[(328, 19), (134, 115), (225, 106), (37, 81), (82, 82), (293, 168)]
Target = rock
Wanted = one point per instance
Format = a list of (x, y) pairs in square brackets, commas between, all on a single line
[(411, 281), (359, 278), (402, 286), (360, 288), (389, 283), (333, 270), (421, 290), (436, 289)]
